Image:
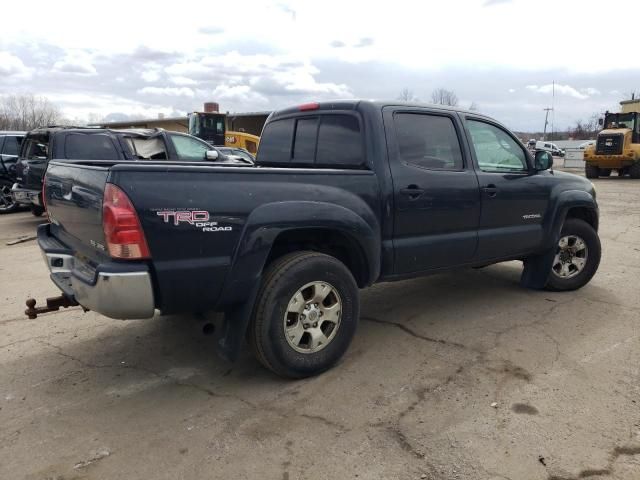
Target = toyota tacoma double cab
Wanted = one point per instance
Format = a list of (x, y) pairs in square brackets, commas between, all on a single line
[(342, 195)]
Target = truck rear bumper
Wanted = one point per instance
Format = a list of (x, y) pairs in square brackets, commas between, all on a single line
[(114, 290), (25, 196)]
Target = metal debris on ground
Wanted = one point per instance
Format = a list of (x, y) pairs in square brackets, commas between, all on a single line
[(22, 239)]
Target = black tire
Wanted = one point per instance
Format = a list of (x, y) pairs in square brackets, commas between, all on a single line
[(581, 229), (282, 280), (605, 172), (591, 171), (7, 203), (634, 170), (37, 210)]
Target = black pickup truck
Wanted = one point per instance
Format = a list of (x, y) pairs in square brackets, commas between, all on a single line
[(342, 195), (72, 143)]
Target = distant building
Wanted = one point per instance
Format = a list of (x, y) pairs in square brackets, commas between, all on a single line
[(250, 122)]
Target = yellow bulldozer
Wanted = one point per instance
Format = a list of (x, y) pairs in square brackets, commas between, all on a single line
[(211, 127), (618, 144)]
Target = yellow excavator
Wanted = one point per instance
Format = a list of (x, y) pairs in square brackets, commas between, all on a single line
[(211, 127), (618, 144)]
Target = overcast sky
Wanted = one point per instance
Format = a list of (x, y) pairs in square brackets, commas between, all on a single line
[(139, 59)]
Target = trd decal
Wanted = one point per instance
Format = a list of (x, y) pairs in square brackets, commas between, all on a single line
[(188, 216), (198, 218)]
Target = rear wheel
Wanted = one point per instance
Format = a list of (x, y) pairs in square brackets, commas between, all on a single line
[(577, 256), (305, 316), (591, 171), (634, 170), (7, 203)]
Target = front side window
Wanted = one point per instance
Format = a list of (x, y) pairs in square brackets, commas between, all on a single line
[(428, 141), (496, 150), (189, 149)]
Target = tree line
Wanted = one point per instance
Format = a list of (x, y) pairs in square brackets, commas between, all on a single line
[(26, 112)]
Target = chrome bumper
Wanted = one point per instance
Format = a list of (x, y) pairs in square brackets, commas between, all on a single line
[(115, 294)]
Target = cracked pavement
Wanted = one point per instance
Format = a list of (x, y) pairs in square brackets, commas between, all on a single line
[(86, 397)]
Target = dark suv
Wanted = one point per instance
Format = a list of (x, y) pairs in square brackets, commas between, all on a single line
[(10, 143), (81, 143)]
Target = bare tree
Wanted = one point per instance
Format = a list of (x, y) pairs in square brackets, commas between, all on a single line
[(586, 130), (474, 107), (442, 96), (407, 95), (26, 112)]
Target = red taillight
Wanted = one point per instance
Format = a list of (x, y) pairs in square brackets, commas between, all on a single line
[(122, 230), (309, 106)]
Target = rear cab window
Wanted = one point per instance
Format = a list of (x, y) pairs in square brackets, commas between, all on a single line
[(325, 140)]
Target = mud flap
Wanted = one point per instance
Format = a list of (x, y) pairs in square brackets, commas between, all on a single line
[(537, 269), (236, 321)]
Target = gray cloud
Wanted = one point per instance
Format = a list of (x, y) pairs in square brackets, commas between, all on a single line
[(337, 44)]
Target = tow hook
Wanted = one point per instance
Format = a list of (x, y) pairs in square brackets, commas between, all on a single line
[(53, 304)]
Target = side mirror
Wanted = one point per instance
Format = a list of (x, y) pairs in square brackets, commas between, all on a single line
[(601, 121), (211, 155), (544, 160)]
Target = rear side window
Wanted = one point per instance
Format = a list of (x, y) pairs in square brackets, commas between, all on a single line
[(320, 141), (79, 146), (428, 141)]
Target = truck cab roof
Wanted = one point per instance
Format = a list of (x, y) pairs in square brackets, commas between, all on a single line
[(357, 104)]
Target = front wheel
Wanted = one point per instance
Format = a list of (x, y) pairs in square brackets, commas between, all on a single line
[(634, 170), (305, 316), (7, 203), (577, 256), (591, 171)]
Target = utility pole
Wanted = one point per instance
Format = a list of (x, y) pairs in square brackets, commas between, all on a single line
[(546, 122)]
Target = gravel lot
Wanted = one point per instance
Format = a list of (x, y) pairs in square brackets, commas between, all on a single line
[(454, 376)]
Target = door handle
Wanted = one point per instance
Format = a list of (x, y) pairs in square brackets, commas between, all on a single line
[(491, 190), (412, 191)]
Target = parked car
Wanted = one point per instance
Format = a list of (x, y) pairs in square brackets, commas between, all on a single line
[(74, 143), (9, 148), (343, 195), (552, 148)]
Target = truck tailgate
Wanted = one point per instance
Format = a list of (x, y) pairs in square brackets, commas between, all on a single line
[(73, 196)]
